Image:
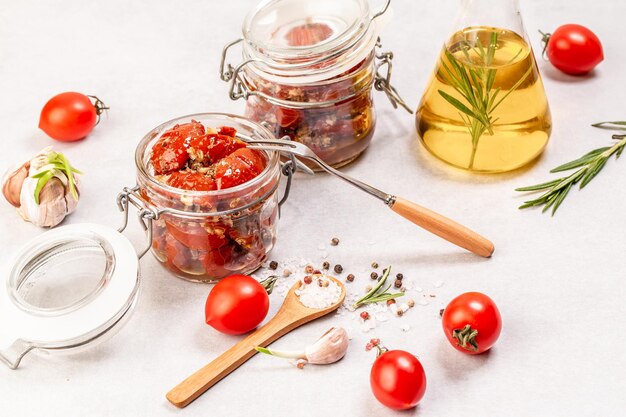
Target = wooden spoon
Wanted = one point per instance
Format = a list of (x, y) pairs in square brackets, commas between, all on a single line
[(292, 314)]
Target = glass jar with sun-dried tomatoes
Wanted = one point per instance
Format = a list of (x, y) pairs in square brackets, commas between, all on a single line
[(214, 199), (308, 70)]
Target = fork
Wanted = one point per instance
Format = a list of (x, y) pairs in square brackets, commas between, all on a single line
[(427, 219)]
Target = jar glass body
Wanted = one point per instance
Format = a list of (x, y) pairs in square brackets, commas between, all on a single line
[(308, 72), (207, 235), (335, 117), (485, 108)]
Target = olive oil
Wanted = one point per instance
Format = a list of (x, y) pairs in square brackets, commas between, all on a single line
[(485, 108)]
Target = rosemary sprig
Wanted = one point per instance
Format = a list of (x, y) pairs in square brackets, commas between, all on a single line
[(474, 83), (269, 282), (56, 162), (375, 295), (589, 166)]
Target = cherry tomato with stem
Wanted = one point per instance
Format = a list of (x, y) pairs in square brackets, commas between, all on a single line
[(573, 49), (237, 304), (71, 116), (397, 378), (472, 322)]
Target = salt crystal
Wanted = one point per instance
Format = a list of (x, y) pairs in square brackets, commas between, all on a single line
[(321, 247), (418, 289), (404, 307), (394, 308), (314, 296), (423, 302), (405, 327), (382, 317), (438, 284), (324, 255)]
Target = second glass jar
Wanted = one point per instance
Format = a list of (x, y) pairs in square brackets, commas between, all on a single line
[(308, 73)]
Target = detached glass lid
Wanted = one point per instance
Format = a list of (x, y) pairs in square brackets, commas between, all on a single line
[(66, 288)]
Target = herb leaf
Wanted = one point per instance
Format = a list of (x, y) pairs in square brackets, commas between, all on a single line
[(589, 166), (375, 295)]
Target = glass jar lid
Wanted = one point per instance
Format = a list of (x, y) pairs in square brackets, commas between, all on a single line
[(67, 288), (310, 39)]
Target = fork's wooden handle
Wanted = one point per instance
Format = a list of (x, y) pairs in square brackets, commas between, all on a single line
[(443, 227), (203, 379)]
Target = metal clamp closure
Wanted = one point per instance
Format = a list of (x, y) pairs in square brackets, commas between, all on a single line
[(383, 82), (145, 214)]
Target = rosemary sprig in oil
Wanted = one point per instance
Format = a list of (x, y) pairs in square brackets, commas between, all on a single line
[(589, 165), (475, 85)]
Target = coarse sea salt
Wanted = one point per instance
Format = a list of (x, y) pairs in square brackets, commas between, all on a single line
[(314, 295)]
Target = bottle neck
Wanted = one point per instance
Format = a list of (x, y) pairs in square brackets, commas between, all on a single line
[(502, 14)]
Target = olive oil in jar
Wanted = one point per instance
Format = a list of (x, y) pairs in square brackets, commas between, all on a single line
[(485, 108)]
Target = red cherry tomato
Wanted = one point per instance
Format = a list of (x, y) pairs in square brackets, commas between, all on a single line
[(398, 380), (70, 116), (170, 152), (573, 49), (236, 305), (472, 322), (240, 166)]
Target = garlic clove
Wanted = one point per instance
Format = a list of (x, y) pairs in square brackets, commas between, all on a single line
[(55, 202), (12, 184), (330, 348)]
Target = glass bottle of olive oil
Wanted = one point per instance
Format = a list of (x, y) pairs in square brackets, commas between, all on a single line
[(485, 109)]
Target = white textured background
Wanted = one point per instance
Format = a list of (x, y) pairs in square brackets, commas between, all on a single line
[(559, 282)]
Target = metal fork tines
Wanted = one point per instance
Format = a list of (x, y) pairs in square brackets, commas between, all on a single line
[(303, 151)]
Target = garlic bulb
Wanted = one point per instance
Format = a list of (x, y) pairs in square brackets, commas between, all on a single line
[(329, 348), (44, 189)]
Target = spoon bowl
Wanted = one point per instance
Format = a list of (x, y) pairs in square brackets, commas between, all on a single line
[(292, 314)]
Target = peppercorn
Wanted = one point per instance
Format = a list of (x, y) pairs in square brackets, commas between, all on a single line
[(308, 269), (410, 303), (322, 282), (308, 279), (374, 275), (273, 265), (350, 277), (317, 272), (286, 272), (400, 313), (397, 284), (334, 241), (441, 313), (374, 265), (391, 301), (399, 276), (338, 268), (365, 315), (325, 265), (300, 365)]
